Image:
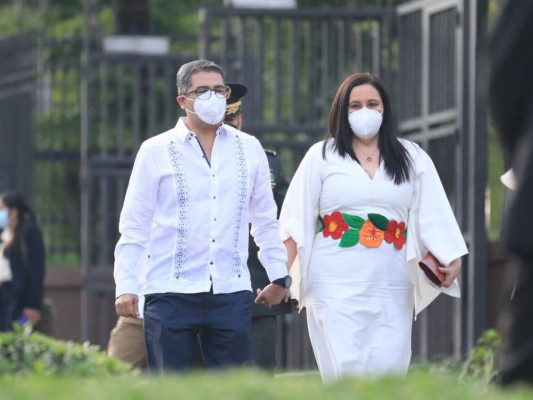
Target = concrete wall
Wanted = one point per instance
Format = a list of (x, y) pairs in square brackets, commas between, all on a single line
[(63, 290)]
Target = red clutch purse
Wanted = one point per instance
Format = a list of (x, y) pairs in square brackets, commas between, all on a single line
[(429, 265)]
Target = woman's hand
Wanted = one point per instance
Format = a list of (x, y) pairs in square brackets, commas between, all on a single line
[(451, 272)]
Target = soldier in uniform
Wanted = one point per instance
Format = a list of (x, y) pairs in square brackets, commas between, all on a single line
[(264, 322)]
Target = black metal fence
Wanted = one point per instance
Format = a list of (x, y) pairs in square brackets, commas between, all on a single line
[(294, 61), (439, 108), (18, 79)]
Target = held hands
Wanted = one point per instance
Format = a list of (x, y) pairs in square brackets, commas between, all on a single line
[(271, 295), (450, 272), (33, 315), (127, 305)]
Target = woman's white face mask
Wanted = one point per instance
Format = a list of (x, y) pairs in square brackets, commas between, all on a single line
[(4, 218), (365, 123)]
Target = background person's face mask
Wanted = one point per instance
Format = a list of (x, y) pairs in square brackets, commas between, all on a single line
[(365, 123), (211, 110), (4, 218)]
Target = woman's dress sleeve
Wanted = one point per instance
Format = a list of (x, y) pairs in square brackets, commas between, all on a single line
[(432, 226), (299, 215)]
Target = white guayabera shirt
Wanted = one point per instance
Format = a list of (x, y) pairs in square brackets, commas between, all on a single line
[(185, 220)]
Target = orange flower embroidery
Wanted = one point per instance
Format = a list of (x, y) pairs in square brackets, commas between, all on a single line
[(395, 233), (334, 225), (370, 236)]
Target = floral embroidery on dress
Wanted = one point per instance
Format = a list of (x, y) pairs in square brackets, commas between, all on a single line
[(370, 235), (335, 225), (352, 229), (395, 233)]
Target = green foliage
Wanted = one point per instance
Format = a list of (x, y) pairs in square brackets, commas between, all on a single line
[(13, 19), (23, 352), (54, 370), (251, 385), (74, 24), (496, 190), (480, 367), (483, 359)]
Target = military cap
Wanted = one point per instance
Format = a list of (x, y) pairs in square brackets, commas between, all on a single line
[(233, 103)]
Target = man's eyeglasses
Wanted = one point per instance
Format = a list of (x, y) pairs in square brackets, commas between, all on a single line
[(204, 93)]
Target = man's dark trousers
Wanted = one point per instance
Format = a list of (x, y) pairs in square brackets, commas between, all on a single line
[(173, 322)]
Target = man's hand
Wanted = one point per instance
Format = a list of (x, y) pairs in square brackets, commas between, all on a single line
[(33, 315), (450, 272), (271, 295), (127, 305)]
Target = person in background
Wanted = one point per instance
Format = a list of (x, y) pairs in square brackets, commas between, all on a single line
[(22, 263), (362, 208), (192, 193), (511, 104), (264, 321)]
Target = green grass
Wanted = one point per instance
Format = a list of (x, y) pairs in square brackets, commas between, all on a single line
[(253, 385)]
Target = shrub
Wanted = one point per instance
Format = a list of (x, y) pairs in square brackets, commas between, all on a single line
[(23, 352), (480, 365), (483, 359)]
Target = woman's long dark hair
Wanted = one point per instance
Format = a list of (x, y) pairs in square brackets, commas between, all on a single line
[(396, 158), (15, 201)]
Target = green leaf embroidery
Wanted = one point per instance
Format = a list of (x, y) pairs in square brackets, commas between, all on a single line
[(379, 221), (320, 224), (354, 221), (350, 238)]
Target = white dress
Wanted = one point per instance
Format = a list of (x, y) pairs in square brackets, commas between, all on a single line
[(360, 284)]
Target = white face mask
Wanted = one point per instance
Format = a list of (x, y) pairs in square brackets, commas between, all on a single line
[(211, 111), (4, 218), (365, 123)]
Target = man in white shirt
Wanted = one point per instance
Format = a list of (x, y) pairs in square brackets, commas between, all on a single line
[(192, 192)]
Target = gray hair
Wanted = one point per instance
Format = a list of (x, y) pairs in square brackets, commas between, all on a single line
[(183, 77)]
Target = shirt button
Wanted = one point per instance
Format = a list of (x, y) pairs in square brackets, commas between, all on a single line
[(213, 241), (214, 219), (211, 263), (214, 197)]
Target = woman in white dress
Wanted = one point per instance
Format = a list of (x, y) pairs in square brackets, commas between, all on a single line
[(363, 207)]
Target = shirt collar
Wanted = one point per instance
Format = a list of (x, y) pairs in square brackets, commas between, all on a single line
[(183, 132)]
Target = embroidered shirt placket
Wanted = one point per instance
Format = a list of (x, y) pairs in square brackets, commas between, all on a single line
[(241, 180), (182, 212)]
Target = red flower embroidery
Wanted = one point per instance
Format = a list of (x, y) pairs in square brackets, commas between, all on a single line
[(334, 225), (395, 233)]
